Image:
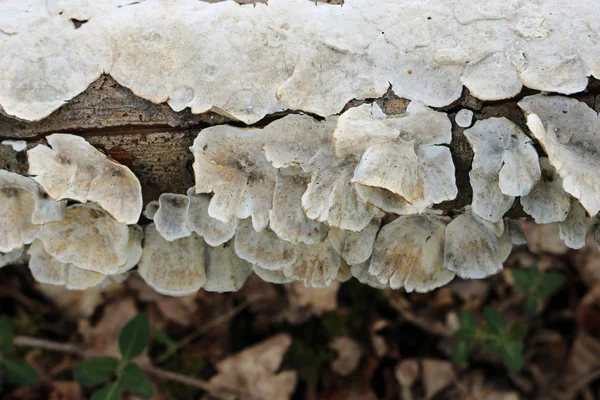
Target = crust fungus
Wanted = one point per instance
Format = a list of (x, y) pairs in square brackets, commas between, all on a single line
[(574, 228), (361, 273), (355, 247), (24, 206), (230, 163), (409, 253), (547, 202), (569, 132), (10, 257), (505, 165), (73, 169), (472, 249), (225, 272), (404, 167), (170, 217), (272, 276), (88, 238), (317, 265)]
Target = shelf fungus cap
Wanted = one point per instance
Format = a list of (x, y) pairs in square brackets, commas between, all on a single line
[(23, 207), (46, 269), (174, 268), (547, 202), (11, 257), (73, 169), (404, 167), (88, 238), (230, 163), (268, 275), (170, 218), (225, 271), (361, 273), (505, 165), (409, 254), (355, 247), (569, 132), (573, 229), (472, 250), (263, 248), (213, 231), (317, 265)]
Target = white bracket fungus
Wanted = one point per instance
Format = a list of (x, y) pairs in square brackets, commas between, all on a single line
[(569, 132), (505, 165), (464, 118), (355, 247), (404, 168), (11, 257), (17, 145), (74, 170), (547, 202), (23, 207), (574, 228), (317, 265), (409, 253)]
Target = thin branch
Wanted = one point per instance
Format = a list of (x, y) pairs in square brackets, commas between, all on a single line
[(218, 391)]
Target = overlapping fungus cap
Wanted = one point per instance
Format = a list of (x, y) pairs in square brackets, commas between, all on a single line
[(404, 167), (569, 132), (225, 271), (355, 247), (505, 165), (409, 253), (10, 257), (73, 169), (574, 228), (472, 249), (317, 265), (547, 202), (230, 163), (23, 207), (88, 238)]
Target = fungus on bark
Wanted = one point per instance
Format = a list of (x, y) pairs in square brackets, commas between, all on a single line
[(547, 202)]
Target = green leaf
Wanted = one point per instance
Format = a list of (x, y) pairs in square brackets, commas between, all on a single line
[(496, 321), (460, 352), (517, 332), (132, 379), (512, 355), (161, 337), (522, 278), (468, 327), (549, 283), (82, 378), (100, 369), (20, 372), (531, 305), (6, 335), (134, 337), (110, 392)]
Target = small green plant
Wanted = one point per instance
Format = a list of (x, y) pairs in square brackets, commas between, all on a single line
[(494, 335), (124, 374), (17, 369), (535, 286)]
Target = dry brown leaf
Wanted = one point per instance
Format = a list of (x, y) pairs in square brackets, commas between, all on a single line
[(349, 355), (60, 390), (543, 238), (253, 371), (583, 359), (437, 374), (74, 303), (304, 302)]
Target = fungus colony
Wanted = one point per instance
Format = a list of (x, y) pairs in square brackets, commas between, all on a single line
[(349, 194)]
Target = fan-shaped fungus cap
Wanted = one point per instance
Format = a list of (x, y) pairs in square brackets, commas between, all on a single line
[(271, 276), (11, 257), (464, 118), (355, 247), (17, 145), (46, 269), (213, 231), (547, 202), (317, 265), (230, 162), (225, 272), (471, 249), (88, 238), (263, 248), (569, 132), (505, 165), (74, 169), (23, 206), (402, 158), (409, 253), (574, 228), (174, 268), (151, 209), (361, 273), (170, 218)]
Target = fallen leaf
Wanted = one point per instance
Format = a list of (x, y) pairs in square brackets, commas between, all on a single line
[(349, 355), (437, 374)]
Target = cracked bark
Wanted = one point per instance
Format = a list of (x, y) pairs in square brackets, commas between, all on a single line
[(154, 141)]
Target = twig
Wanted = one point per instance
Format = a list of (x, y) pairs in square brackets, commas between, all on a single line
[(219, 391)]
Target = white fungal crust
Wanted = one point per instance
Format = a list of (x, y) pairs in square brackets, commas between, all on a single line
[(263, 248), (547, 202), (88, 238), (225, 272), (46, 269), (11, 257), (174, 268), (74, 170), (230, 162), (409, 253), (23, 207), (17, 145), (569, 132), (574, 228), (268, 58), (317, 265), (213, 231), (170, 218), (505, 165), (471, 248), (355, 247), (403, 162)]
